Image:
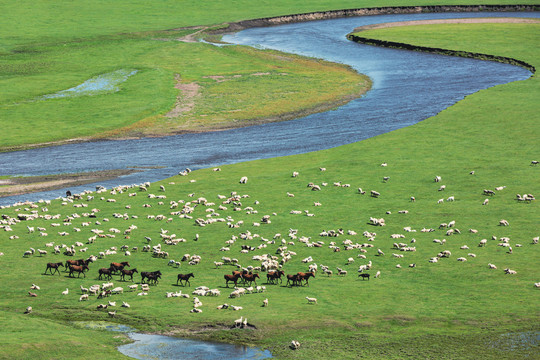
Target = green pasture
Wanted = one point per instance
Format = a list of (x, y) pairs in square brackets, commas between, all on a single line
[(47, 47), (448, 309), (252, 87)]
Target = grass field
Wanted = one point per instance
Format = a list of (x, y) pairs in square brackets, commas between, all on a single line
[(251, 88), (50, 47), (448, 309)]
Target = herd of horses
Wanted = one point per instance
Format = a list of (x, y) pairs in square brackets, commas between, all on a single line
[(152, 277)]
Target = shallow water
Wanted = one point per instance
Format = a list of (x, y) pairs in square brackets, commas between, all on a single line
[(98, 85), (408, 87), (517, 341), (166, 347)]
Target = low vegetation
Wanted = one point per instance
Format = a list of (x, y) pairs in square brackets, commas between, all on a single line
[(444, 309)]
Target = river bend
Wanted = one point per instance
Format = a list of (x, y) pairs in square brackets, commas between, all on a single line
[(408, 87)]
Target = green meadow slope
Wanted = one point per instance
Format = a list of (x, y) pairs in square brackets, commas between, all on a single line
[(47, 47), (448, 309)]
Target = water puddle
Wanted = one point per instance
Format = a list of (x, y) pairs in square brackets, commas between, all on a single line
[(98, 85), (165, 347), (517, 341), (160, 347)]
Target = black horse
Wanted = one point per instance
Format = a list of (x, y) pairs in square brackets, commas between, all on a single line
[(151, 276), (184, 277)]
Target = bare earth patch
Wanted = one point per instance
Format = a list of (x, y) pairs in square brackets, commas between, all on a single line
[(447, 21), (30, 184), (185, 101)]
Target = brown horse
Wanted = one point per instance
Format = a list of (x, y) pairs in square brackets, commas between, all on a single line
[(292, 279), (233, 278), (184, 277), (124, 273), (273, 276), (305, 276), (79, 262), (118, 266), (79, 269), (250, 278), (55, 266), (107, 272)]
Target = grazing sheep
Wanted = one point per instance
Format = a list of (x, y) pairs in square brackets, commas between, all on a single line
[(438, 179), (378, 274), (125, 304), (503, 223), (65, 292), (492, 266), (34, 287), (112, 313), (243, 180), (83, 297), (28, 310), (510, 272), (294, 345), (486, 201), (31, 294), (265, 303), (442, 187), (311, 300)]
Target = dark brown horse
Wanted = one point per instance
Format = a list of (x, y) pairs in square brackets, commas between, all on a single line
[(184, 277), (292, 279), (118, 266), (151, 276), (305, 276), (55, 266), (364, 276), (273, 276), (250, 278), (78, 269), (233, 278), (124, 273), (105, 271)]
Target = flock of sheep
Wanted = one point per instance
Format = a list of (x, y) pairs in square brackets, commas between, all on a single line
[(272, 253)]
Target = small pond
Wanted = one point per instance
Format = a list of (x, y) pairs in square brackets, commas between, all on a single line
[(166, 347), (97, 85), (160, 347)]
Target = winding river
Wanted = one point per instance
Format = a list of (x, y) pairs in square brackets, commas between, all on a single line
[(408, 87)]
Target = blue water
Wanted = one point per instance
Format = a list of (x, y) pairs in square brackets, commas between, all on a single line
[(408, 87), (98, 85), (166, 347)]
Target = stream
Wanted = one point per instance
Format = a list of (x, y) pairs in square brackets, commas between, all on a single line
[(408, 87)]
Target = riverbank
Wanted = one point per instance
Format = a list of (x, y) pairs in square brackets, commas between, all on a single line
[(16, 185), (354, 36), (142, 107)]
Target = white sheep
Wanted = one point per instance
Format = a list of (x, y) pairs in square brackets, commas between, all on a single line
[(65, 292), (265, 303), (311, 300), (243, 180), (83, 297)]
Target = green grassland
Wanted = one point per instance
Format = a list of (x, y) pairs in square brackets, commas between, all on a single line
[(448, 309), (46, 47), (142, 104)]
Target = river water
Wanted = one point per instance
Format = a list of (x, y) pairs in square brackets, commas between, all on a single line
[(408, 87)]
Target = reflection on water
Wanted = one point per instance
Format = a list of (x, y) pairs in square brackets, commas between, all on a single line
[(98, 85)]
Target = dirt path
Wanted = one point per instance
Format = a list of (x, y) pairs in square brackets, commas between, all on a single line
[(185, 101), (448, 21)]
